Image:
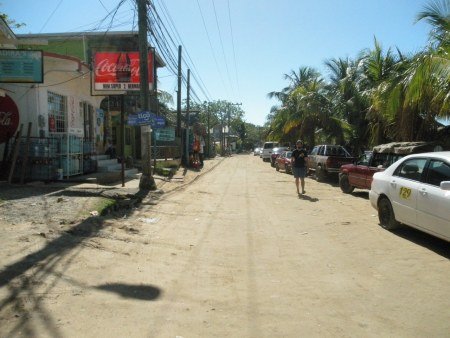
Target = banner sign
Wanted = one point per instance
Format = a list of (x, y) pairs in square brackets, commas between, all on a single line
[(21, 66), (165, 134), (146, 118), (119, 71)]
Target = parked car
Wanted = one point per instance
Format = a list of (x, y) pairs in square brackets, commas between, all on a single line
[(415, 191), (257, 151), (327, 159), (283, 162), (359, 174), (267, 150), (275, 153)]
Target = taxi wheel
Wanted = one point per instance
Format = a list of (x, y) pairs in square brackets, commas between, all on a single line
[(344, 184), (386, 215)]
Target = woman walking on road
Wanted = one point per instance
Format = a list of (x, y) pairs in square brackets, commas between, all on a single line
[(299, 165)]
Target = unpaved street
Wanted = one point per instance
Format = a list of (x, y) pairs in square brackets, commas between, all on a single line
[(234, 254)]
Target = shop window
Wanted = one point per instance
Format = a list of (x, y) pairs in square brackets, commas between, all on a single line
[(57, 112)]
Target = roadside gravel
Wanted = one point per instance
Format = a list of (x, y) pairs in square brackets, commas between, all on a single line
[(69, 203)]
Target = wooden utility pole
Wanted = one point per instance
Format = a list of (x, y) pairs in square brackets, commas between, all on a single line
[(15, 154), (147, 181), (25, 157), (122, 138)]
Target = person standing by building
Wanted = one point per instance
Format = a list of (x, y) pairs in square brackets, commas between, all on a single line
[(202, 149), (298, 161)]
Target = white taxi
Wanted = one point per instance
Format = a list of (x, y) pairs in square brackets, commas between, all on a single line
[(415, 191)]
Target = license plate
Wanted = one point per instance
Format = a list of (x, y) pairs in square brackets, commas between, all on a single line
[(405, 193)]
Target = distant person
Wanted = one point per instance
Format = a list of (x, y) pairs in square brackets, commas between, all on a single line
[(202, 150), (299, 165), (110, 150)]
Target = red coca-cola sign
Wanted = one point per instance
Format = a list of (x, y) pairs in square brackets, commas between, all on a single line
[(9, 118), (119, 71)]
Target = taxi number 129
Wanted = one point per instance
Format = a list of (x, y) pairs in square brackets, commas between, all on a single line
[(405, 193)]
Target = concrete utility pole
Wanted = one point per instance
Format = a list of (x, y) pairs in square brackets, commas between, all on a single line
[(188, 107), (209, 131), (178, 131), (228, 119), (147, 181), (179, 94)]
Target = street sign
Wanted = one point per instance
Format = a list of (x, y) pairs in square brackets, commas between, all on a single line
[(158, 122), (146, 119), (165, 134), (143, 118)]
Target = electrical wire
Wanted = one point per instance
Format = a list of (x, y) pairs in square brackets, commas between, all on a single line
[(234, 51), (212, 49), (199, 81), (51, 15), (221, 43), (159, 31), (188, 62)]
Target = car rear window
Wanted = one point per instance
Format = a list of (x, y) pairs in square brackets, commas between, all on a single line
[(270, 145), (411, 169), (438, 171)]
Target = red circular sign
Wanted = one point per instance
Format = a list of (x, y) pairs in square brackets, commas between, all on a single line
[(9, 118)]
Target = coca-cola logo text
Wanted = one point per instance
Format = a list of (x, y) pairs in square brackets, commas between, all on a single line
[(107, 68), (9, 118), (119, 67), (5, 118)]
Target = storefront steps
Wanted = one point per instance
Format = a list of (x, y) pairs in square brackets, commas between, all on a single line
[(111, 167)]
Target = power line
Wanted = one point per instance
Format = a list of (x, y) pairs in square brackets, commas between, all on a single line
[(174, 31), (106, 9), (212, 49), (51, 15), (221, 42), (234, 52)]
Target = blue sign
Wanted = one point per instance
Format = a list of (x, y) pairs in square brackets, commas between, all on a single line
[(145, 119), (159, 122), (21, 66)]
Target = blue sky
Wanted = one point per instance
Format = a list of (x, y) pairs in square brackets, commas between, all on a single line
[(265, 40)]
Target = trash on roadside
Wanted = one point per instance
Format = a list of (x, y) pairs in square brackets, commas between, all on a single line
[(149, 220), (94, 213)]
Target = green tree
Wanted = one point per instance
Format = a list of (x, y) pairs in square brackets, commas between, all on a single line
[(11, 23)]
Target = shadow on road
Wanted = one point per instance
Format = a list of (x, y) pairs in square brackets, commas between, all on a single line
[(308, 198), (432, 243), (14, 192), (142, 292), (29, 278), (361, 194)]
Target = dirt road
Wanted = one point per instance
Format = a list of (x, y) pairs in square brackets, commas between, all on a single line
[(234, 254)]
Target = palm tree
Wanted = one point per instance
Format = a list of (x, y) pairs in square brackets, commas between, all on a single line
[(378, 69), (281, 117), (423, 94), (347, 99)]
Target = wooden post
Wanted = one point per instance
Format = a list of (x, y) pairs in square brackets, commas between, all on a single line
[(25, 156), (122, 138), (15, 154)]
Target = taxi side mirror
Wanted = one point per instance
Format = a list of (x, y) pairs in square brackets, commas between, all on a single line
[(445, 185)]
